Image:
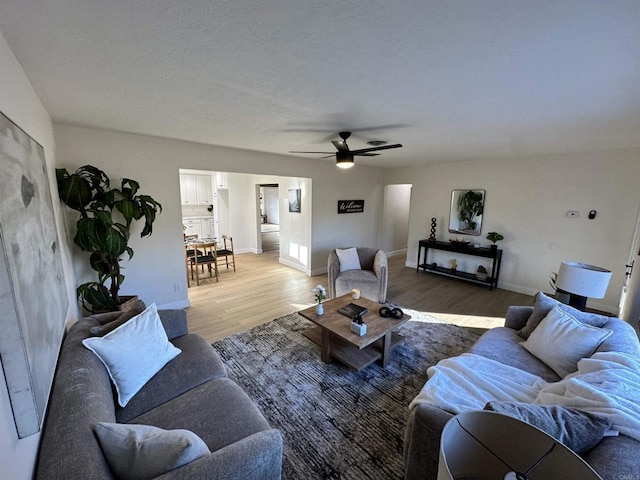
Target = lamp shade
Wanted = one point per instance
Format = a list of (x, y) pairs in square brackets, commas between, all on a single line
[(482, 445), (582, 279)]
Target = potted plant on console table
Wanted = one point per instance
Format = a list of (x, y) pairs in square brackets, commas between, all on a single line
[(494, 237), (104, 228)]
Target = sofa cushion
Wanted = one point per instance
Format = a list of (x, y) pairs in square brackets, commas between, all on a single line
[(198, 363), (134, 352), (544, 304), (349, 259), (561, 341), (502, 344), (140, 452), (218, 411), (580, 431)]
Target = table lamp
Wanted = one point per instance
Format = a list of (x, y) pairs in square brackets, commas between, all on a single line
[(581, 280), (484, 445)]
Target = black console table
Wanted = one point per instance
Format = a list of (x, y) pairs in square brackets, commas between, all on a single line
[(494, 254)]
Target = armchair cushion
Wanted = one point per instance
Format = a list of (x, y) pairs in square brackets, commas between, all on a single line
[(349, 259)]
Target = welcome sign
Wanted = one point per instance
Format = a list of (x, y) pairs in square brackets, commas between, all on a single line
[(350, 206)]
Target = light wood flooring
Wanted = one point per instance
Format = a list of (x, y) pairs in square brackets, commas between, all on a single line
[(262, 289)]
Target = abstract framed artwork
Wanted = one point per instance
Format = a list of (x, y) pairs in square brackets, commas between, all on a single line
[(33, 298)]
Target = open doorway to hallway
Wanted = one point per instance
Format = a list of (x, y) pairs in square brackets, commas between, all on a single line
[(270, 218)]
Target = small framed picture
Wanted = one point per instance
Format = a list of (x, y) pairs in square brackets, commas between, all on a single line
[(295, 199)]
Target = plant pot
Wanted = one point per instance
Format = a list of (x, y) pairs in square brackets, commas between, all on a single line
[(493, 247), (127, 302), (359, 329)]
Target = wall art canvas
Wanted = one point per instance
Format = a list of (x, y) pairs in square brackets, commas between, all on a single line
[(295, 200), (33, 298)]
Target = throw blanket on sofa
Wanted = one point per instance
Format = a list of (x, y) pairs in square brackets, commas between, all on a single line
[(607, 384)]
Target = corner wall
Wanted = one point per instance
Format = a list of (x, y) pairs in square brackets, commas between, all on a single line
[(527, 200), (19, 102)]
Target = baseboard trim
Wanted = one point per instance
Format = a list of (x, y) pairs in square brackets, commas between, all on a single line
[(294, 265), (179, 304), (396, 252)]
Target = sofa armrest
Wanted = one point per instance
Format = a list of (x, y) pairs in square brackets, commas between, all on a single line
[(333, 270), (517, 316), (422, 441), (174, 322), (258, 457)]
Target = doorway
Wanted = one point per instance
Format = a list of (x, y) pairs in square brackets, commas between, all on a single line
[(630, 297), (394, 227), (270, 218)]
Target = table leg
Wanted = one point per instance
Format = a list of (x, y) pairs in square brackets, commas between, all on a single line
[(386, 349), (325, 349)]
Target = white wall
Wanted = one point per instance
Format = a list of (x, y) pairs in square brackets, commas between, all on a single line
[(156, 272), (19, 102), (526, 201)]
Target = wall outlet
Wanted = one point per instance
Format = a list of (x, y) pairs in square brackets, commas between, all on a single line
[(573, 214)]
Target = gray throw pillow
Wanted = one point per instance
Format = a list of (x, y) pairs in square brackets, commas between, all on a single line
[(578, 430), (139, 452), (100, 330), (544, 304)]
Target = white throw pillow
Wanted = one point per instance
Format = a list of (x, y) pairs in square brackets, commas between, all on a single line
[(349, 259), (136, 452), (560, 341), (134, 352)]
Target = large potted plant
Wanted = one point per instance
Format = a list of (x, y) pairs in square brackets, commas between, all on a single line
[(104, 228)]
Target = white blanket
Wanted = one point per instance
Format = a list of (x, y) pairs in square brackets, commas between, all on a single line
[(606, 384), (469, 381)]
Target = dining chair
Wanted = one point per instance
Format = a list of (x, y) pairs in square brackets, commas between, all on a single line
[(227, 251), (208, 257)]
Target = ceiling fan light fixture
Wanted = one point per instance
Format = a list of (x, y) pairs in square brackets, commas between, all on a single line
[(344, 160)]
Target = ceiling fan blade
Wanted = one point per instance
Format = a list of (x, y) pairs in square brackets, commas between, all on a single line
[(340, 145), (293, 151), (366, 154), (373, 149)]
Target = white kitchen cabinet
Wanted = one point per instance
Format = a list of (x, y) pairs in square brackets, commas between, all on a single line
[(193, 227), (207, 228), (196, 189), (222, 180)]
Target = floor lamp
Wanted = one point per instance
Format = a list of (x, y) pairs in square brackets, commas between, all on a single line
[(581, 281)]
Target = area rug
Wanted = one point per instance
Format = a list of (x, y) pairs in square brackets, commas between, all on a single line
[(337, 423)]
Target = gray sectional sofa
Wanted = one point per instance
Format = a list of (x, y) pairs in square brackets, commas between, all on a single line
[(191, 392), (612, 458)]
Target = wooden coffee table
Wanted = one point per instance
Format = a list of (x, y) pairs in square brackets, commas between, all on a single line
[(333, 333)]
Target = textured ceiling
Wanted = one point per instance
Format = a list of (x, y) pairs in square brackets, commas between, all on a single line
[(450, 79)]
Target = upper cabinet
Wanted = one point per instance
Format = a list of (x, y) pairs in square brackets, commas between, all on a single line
[(222, 180), (196, 189)]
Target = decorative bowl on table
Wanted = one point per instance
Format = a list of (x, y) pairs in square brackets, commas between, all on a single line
[(459, 243)]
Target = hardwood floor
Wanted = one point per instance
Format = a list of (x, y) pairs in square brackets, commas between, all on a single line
[(262, 289)]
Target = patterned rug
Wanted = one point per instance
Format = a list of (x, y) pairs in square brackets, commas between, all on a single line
[(337, 423)]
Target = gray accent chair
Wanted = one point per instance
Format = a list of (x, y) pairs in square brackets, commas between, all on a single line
[(612, 458), (191, 392), (371, 280)]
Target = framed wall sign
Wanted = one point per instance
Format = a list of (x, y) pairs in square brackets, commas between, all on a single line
[(295, 199), (350, 206)]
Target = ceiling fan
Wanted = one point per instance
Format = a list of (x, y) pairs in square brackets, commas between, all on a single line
[(344, 156)]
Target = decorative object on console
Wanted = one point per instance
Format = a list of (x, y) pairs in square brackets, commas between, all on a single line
[(494, 237), (581, 280), (467, 207), (104, 228), (454, 264), (432, 237), (481, 272)]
